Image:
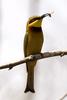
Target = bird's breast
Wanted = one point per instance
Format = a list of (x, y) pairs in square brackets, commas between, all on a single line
[(35, 42)]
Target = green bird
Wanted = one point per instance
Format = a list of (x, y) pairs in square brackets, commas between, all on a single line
[(33, 42)]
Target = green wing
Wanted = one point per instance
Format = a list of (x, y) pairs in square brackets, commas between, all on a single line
[(25, 47), (25, 44)]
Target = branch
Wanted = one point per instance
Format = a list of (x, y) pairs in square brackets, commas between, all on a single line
[(34, 57), (64, 97)]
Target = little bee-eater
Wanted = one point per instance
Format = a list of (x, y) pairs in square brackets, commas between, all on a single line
[(33, 42)]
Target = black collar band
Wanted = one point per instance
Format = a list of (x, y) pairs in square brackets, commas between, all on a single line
[(36, 29)]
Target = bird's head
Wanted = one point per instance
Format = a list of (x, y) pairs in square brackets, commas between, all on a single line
[(36, 21)]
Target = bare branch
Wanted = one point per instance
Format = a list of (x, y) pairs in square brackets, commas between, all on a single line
[(34, 57), (64, 97)]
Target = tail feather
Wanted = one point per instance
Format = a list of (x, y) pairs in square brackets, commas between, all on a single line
[(30, 82), (29, 90)]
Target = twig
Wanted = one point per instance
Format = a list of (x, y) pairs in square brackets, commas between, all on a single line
[(64, 97), (34, 57)]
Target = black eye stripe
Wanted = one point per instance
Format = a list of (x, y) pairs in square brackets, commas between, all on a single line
[(32, 20)]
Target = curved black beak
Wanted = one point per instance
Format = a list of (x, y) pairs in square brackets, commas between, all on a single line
[(45, 15)]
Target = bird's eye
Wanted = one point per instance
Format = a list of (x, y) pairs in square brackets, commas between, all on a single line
[(34, 19)]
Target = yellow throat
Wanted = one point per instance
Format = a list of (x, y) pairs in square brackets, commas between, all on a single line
[(36, 23)]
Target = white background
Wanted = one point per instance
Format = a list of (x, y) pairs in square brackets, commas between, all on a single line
[(51, 73)]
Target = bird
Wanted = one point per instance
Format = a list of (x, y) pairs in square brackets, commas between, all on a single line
[(33, 42)]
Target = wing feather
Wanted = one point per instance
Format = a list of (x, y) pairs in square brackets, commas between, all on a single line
[(25, 44)]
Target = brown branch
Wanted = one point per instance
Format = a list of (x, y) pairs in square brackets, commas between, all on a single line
[(34, 57), (64, 97)]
